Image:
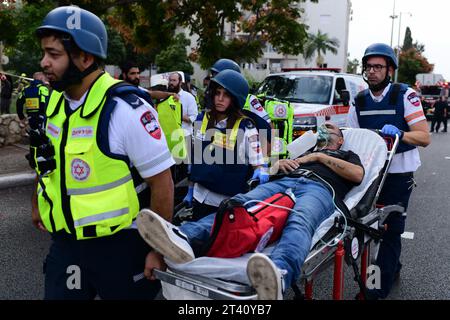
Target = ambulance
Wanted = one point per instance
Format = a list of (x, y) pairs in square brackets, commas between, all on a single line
[(317, 95)]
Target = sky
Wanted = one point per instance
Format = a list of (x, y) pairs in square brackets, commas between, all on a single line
[(429, 22)]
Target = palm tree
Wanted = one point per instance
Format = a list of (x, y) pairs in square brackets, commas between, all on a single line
[(320, 43)]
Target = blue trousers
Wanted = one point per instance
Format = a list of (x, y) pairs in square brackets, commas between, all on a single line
[(396, 190), (109, 267), (314, 204)]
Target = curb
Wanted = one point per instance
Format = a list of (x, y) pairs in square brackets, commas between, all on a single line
[(17, 179)]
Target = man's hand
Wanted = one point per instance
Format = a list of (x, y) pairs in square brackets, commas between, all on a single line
[(391, 131), (36, 218), (176, 96), (154, 260), (284, 165)]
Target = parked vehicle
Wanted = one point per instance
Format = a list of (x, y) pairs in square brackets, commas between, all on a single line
[(317, 96)]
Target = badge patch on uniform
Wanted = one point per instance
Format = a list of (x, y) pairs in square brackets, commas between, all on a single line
[(151, 125), (53, 130), (80, 170), (280, 111), (82, 132), (414, 99), (255, 104)]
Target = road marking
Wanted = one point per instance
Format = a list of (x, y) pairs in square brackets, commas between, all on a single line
[(408, 235), (447, 158)]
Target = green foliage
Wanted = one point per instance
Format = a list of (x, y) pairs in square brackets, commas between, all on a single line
[(254, 24), (411, 60), (352, 66), (174, 57), (320, 44), (411, 63), (116, 47), (24, 52), (408, 42), (8, 27)]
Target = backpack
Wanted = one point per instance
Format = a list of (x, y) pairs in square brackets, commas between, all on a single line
[(237, 230)]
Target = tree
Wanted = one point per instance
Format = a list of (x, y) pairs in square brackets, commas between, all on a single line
[(254, 23), (25, 51), (411, 60), (352, 66), (411, 63), (149, 25), (174, 57), (320, 44), (408, 42)]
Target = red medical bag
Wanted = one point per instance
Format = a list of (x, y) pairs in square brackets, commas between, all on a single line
[(237, 230)]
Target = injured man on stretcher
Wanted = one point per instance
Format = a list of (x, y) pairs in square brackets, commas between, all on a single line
[(318, 180)]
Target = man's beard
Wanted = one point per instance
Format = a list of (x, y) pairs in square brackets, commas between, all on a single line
[(134, 82), (174, 89)]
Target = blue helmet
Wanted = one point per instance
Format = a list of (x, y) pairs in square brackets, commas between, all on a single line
[(86, 29), (225, 64), (381, 49), (234, 83)]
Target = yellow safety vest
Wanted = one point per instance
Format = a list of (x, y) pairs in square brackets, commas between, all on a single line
[(282, 116), (170, 115), (89, 194)]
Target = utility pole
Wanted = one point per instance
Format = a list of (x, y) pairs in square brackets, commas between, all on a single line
[(398, 44), (393, 17)]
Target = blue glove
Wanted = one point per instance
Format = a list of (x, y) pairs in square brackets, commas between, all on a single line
[(261, 174), (189, 196), (391, 131)]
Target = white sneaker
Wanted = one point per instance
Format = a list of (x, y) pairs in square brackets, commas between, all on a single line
[(164, 237), (265, 277)]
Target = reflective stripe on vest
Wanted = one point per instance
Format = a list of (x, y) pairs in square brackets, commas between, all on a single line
[(227, 174), (100, 217), (89, 194), (230, 141)]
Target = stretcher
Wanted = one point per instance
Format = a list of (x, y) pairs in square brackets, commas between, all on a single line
[(345, 237)]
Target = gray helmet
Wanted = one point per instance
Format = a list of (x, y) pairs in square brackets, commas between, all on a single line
[(381, 49), (86, 29)]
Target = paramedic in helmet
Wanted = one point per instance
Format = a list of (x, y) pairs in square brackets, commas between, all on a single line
[(226, 152), (88, 203), (318, 181), (395, 109)]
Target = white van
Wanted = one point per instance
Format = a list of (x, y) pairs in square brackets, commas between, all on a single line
[(317, 96)]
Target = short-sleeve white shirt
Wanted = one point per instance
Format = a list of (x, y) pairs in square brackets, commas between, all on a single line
[(408, 161), (190, 109)]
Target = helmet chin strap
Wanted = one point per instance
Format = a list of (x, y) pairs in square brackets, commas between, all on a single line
[(380, 86), (377, 87), (72, 76)]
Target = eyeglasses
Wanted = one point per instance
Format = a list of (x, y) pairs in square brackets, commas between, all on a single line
[(376, 67)]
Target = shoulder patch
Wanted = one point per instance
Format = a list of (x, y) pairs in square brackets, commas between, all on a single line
[(151, 125), (133, 100), (414, 99)]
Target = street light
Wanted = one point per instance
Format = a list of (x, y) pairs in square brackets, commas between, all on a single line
[(398, 43), (393, 17)]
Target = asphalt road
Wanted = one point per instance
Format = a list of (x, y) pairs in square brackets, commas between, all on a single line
[(426, 257)]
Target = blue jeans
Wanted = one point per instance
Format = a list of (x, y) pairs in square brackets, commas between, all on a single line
[(314, 204)]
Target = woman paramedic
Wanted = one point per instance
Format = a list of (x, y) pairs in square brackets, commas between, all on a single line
[(226, 152)]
